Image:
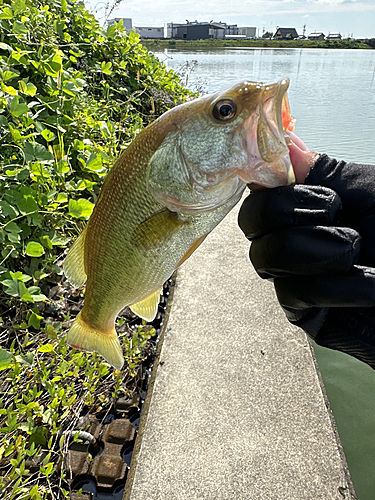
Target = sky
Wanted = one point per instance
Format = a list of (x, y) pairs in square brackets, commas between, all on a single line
[(349, 17)]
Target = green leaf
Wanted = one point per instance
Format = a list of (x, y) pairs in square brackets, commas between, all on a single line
[(95, 162), (35, 320), (8, 210), (11, 287), (9, 74), (12, 227), (27, 88), (48, 135), (9, 89), (63, 167), (46, 242), (5, 359), (6, 13), (27, 204), (16, 108), (24, 293), (46, 348), (34, 249), (61, 241), (18, 6), (14, 238), (36, 151), (19, 28), (48, 469), (84, 184), (20, 276), (3, 121), (106, 67), (81, 208), (37, 297), (38, 170), (62, 198)]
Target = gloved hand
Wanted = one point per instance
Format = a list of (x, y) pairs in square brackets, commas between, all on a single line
[(316, 241)]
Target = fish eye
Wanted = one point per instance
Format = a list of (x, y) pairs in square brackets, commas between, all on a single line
[(225, 110)]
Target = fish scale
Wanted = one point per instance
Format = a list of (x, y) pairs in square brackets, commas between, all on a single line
[(170, 188)]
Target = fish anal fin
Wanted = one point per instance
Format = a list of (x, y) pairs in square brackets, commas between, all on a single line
[(148, 307), (82, 336), (192, 249), (74, 263)]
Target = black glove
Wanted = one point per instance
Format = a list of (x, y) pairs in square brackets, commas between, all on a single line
[(317, 242)]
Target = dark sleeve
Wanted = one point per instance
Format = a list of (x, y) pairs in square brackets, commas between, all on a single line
[(355, 185)]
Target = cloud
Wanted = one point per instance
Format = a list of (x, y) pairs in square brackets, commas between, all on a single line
[(351, 15), (333, 2)]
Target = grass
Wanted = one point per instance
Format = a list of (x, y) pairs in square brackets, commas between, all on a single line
[(209, 44)]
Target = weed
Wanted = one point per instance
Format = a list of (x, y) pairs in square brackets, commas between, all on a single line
[(72, 97)]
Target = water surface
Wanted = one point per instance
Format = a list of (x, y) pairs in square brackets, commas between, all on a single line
[(332, 95), (332, 92)]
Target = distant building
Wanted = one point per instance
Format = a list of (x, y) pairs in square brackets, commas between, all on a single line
[(317, 36), (229, 29), (334, 36), (149, 32), (126, 21), (247, 31), (285, 34), (200, 31)]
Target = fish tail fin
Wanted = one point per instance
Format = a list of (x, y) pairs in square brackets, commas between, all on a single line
[(82, 336)]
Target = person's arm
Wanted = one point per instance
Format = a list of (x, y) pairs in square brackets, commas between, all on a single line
[(316, 241)]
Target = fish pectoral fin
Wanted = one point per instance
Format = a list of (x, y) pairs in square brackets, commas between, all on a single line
[(148, 307), (74, 263), (153, 232), (82, 336)]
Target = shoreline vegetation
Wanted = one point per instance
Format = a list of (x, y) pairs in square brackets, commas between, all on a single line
[(211, 43), (73, 95)]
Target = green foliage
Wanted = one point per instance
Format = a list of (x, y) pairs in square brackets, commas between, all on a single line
[(48, 385), (215, 43), (72, 96)]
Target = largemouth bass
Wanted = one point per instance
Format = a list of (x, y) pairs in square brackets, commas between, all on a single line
[(175, 182)]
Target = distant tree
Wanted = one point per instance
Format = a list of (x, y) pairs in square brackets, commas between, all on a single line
[(267, 34)]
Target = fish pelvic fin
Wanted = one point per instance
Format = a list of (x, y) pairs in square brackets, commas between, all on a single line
[(82, 336), (148, 307), (192, 249), (74, 263)]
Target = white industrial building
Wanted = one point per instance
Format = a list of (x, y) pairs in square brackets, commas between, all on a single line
[(143, 31), (149, 32), (126, 21), (249, 32)]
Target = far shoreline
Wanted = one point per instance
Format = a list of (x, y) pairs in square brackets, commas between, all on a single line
[(211, 43)]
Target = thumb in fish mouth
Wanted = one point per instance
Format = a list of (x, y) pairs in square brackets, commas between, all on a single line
[(301, 157)]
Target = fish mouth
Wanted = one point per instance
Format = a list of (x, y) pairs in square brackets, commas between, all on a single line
[(268, 162)]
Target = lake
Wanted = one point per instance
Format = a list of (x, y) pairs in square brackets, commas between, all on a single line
[(332, 95)]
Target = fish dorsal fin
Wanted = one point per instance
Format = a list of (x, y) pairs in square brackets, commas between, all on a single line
[(74, 263), (148, 307)]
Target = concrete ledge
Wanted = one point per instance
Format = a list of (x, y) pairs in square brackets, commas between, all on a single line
[(237, 410)]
